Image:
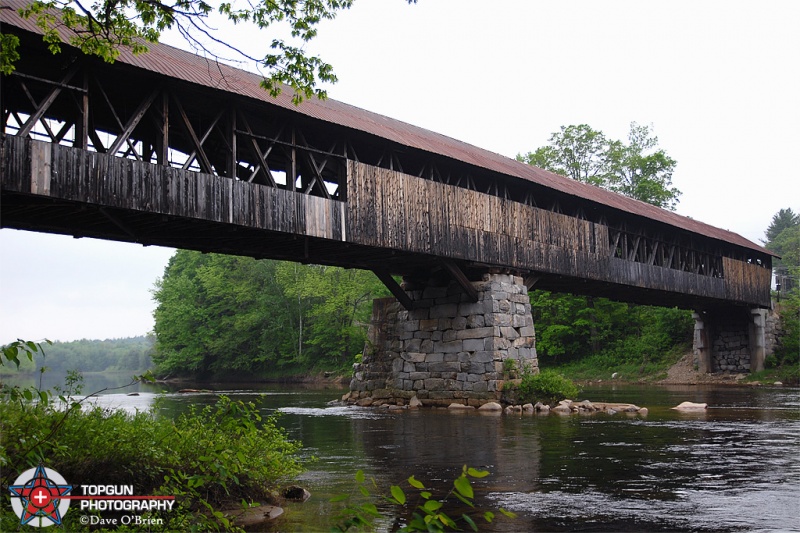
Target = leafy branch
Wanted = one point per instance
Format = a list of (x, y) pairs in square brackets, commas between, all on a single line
[(429, 513)]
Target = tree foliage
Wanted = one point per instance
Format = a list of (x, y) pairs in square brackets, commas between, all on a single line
[(638, 169), (572, 327), (224, 314), (783, 219), (103, 27), (455, 511), (783, 238)]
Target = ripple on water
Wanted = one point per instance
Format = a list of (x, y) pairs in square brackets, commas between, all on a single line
[(360, 413), (695, 510)]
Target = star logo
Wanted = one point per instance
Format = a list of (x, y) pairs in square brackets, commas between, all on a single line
[(40, 493)]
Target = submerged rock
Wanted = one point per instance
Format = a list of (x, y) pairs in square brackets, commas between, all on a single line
[(691, 406), (254, 516), (296, 494)]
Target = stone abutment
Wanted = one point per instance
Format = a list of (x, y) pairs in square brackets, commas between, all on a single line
[(737, 340), (447, 349)]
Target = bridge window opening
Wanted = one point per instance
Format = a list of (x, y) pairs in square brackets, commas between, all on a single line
[(332, 188), (46, 129), (280, 178)]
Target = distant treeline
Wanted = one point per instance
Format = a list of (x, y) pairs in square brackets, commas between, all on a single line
[(110, 355)]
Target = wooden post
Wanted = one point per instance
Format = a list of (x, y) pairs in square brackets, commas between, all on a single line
[(757, 338), (702, 342)]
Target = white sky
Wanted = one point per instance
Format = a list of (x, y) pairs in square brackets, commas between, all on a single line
[(717, 80)]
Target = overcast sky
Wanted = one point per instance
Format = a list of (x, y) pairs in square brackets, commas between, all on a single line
[(717, 81)]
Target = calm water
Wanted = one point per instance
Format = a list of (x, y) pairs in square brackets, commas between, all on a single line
[(734, 467)]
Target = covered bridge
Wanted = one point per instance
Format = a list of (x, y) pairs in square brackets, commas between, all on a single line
[(167, 148)]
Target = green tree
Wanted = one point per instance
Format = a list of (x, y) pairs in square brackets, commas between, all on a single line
[(217, 314), (641, 170), (785, 218), (220, 314), (787, 244), (781, 238), (638, 169), (180, 316), (578, 152), (101, 28), (334, 302)]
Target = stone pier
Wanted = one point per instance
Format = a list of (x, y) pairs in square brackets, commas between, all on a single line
[(731, 341), (447, 348)]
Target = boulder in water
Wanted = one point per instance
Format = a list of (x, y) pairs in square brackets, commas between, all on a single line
[(691, 406)]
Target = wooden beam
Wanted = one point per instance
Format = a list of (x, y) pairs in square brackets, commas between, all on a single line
[(118, 223), (82, 125), (233, 162), (163, 149), (44, 105), (124, 136), (462, 280), (205, 164), (396, 290), (262, 158), (530, 281)]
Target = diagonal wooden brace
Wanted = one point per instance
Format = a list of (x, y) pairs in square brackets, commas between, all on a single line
[(461, 278), (396, 290)]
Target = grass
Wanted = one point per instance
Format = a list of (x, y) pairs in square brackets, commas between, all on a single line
[(602, 366), (788, 375)]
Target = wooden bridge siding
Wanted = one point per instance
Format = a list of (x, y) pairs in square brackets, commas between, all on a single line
[(106, 181), (444, 220), (746, 282), (386, 209)]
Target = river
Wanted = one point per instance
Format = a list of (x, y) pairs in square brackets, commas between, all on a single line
[(733, 467)]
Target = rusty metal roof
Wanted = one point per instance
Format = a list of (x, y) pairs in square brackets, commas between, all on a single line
[(182, 65)]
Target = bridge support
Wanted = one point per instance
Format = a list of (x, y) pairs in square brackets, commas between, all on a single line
[(447, 348), (730, 341), (702, 343)]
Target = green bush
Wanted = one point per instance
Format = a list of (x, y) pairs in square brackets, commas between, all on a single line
[(788, 353), (210, 459), (547, 386)]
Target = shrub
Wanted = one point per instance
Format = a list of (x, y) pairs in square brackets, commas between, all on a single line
[(547, 386), (209, 459)]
